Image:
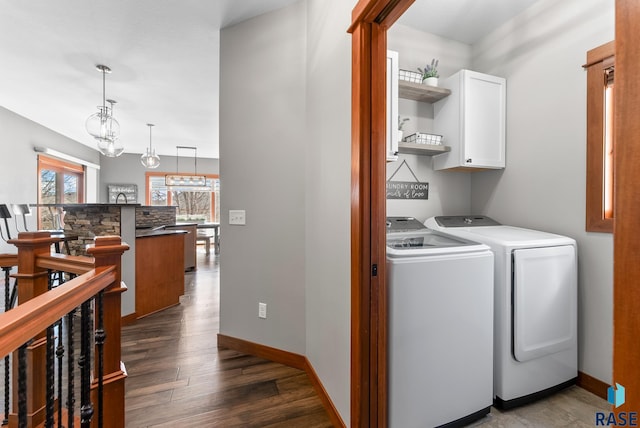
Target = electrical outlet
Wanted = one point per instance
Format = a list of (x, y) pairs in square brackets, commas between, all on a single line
[(262, 310), (237, 217)]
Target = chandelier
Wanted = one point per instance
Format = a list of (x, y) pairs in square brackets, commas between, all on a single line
[(102, 125), (150, 159), (189, 182)]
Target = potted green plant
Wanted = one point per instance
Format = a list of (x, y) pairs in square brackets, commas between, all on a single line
[(430, 73), (401, 123)]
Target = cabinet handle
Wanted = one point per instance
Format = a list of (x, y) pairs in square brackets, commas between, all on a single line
[(469, 160)]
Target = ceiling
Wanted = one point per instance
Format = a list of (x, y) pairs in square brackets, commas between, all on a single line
[(164, 60), (463, 20)]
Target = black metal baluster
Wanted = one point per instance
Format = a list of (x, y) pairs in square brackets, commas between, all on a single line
[(14, 294), (86, 408), (100, 337), (50, 379), (59, 356), (22, 386), (7, 306), (71, 401)]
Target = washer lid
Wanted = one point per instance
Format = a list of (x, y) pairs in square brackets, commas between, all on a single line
[(403, 224), (428, 242), (465, 221)]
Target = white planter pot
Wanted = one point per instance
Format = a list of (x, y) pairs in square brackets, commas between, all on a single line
[(431, 81), (400, 135)]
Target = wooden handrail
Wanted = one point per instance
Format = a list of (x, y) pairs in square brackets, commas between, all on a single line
[(61, 262), (32, 317), (8, 260)]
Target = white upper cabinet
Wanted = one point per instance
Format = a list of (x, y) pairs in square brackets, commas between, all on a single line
[(472, 120), (392, 133)]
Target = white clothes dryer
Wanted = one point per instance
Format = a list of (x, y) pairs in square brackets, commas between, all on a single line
[(535, 324), (440, 331)]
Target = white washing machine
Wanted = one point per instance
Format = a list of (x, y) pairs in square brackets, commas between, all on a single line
[(440, 333), (535, 336)]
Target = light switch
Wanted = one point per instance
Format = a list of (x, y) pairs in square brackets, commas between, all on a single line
[(237, 217)]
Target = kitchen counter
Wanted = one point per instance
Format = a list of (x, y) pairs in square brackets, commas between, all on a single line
[(146, 233)]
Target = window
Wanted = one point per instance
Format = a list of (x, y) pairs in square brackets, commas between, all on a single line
[(600, 138), (59, 182), (193, 205)]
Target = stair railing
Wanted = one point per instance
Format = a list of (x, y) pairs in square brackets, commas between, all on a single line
[(33, 336)]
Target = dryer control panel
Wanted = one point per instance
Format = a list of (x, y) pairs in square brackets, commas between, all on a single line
[(465, 221)]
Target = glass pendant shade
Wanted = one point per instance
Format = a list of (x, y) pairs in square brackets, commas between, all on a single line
[(102, 125), (150, 159), (110, 149)]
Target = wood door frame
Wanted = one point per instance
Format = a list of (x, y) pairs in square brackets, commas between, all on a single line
[(626, 246), (370, 21)]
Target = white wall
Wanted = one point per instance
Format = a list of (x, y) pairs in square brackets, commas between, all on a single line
[(262, 170), (328, 178), (541, 53), (128, 169), (19, 163), (449, 192)]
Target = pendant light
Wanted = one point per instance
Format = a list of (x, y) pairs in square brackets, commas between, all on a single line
[(186, 182), (110, 145), (150, 159), (102, 125)]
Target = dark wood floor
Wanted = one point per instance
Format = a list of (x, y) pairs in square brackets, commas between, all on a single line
[(179, 378)]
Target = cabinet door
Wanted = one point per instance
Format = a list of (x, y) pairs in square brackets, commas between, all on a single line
[(484, 120), (392, 106)]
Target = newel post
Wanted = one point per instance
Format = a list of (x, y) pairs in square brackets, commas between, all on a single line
[(33, 281), (107, 251)]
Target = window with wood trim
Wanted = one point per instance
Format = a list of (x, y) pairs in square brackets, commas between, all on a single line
[(600, 138), (59, 182), (193, 205)]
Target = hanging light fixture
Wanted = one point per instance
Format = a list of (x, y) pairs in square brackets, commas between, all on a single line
[(190, 182), (110, 145), (150, 159), (102, 125)]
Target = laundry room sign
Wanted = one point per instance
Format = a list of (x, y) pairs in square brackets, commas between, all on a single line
[(406, 189)]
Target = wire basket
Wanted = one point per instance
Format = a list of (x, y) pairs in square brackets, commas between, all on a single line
[(422, 138), (410, 76)]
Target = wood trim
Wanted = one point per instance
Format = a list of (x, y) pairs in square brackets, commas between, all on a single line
[(334, 416), (55, 164), (595, 220), (378, 322), (287, 358), (129, 319), (360, 227), (382, 12), (600, 53), (593, 385), (371, 19), (626, 292)]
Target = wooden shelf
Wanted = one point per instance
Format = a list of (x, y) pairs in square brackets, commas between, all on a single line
[(422, 149), (420, 92)]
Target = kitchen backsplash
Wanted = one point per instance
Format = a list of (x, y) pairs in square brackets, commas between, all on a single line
[(148, 216)]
